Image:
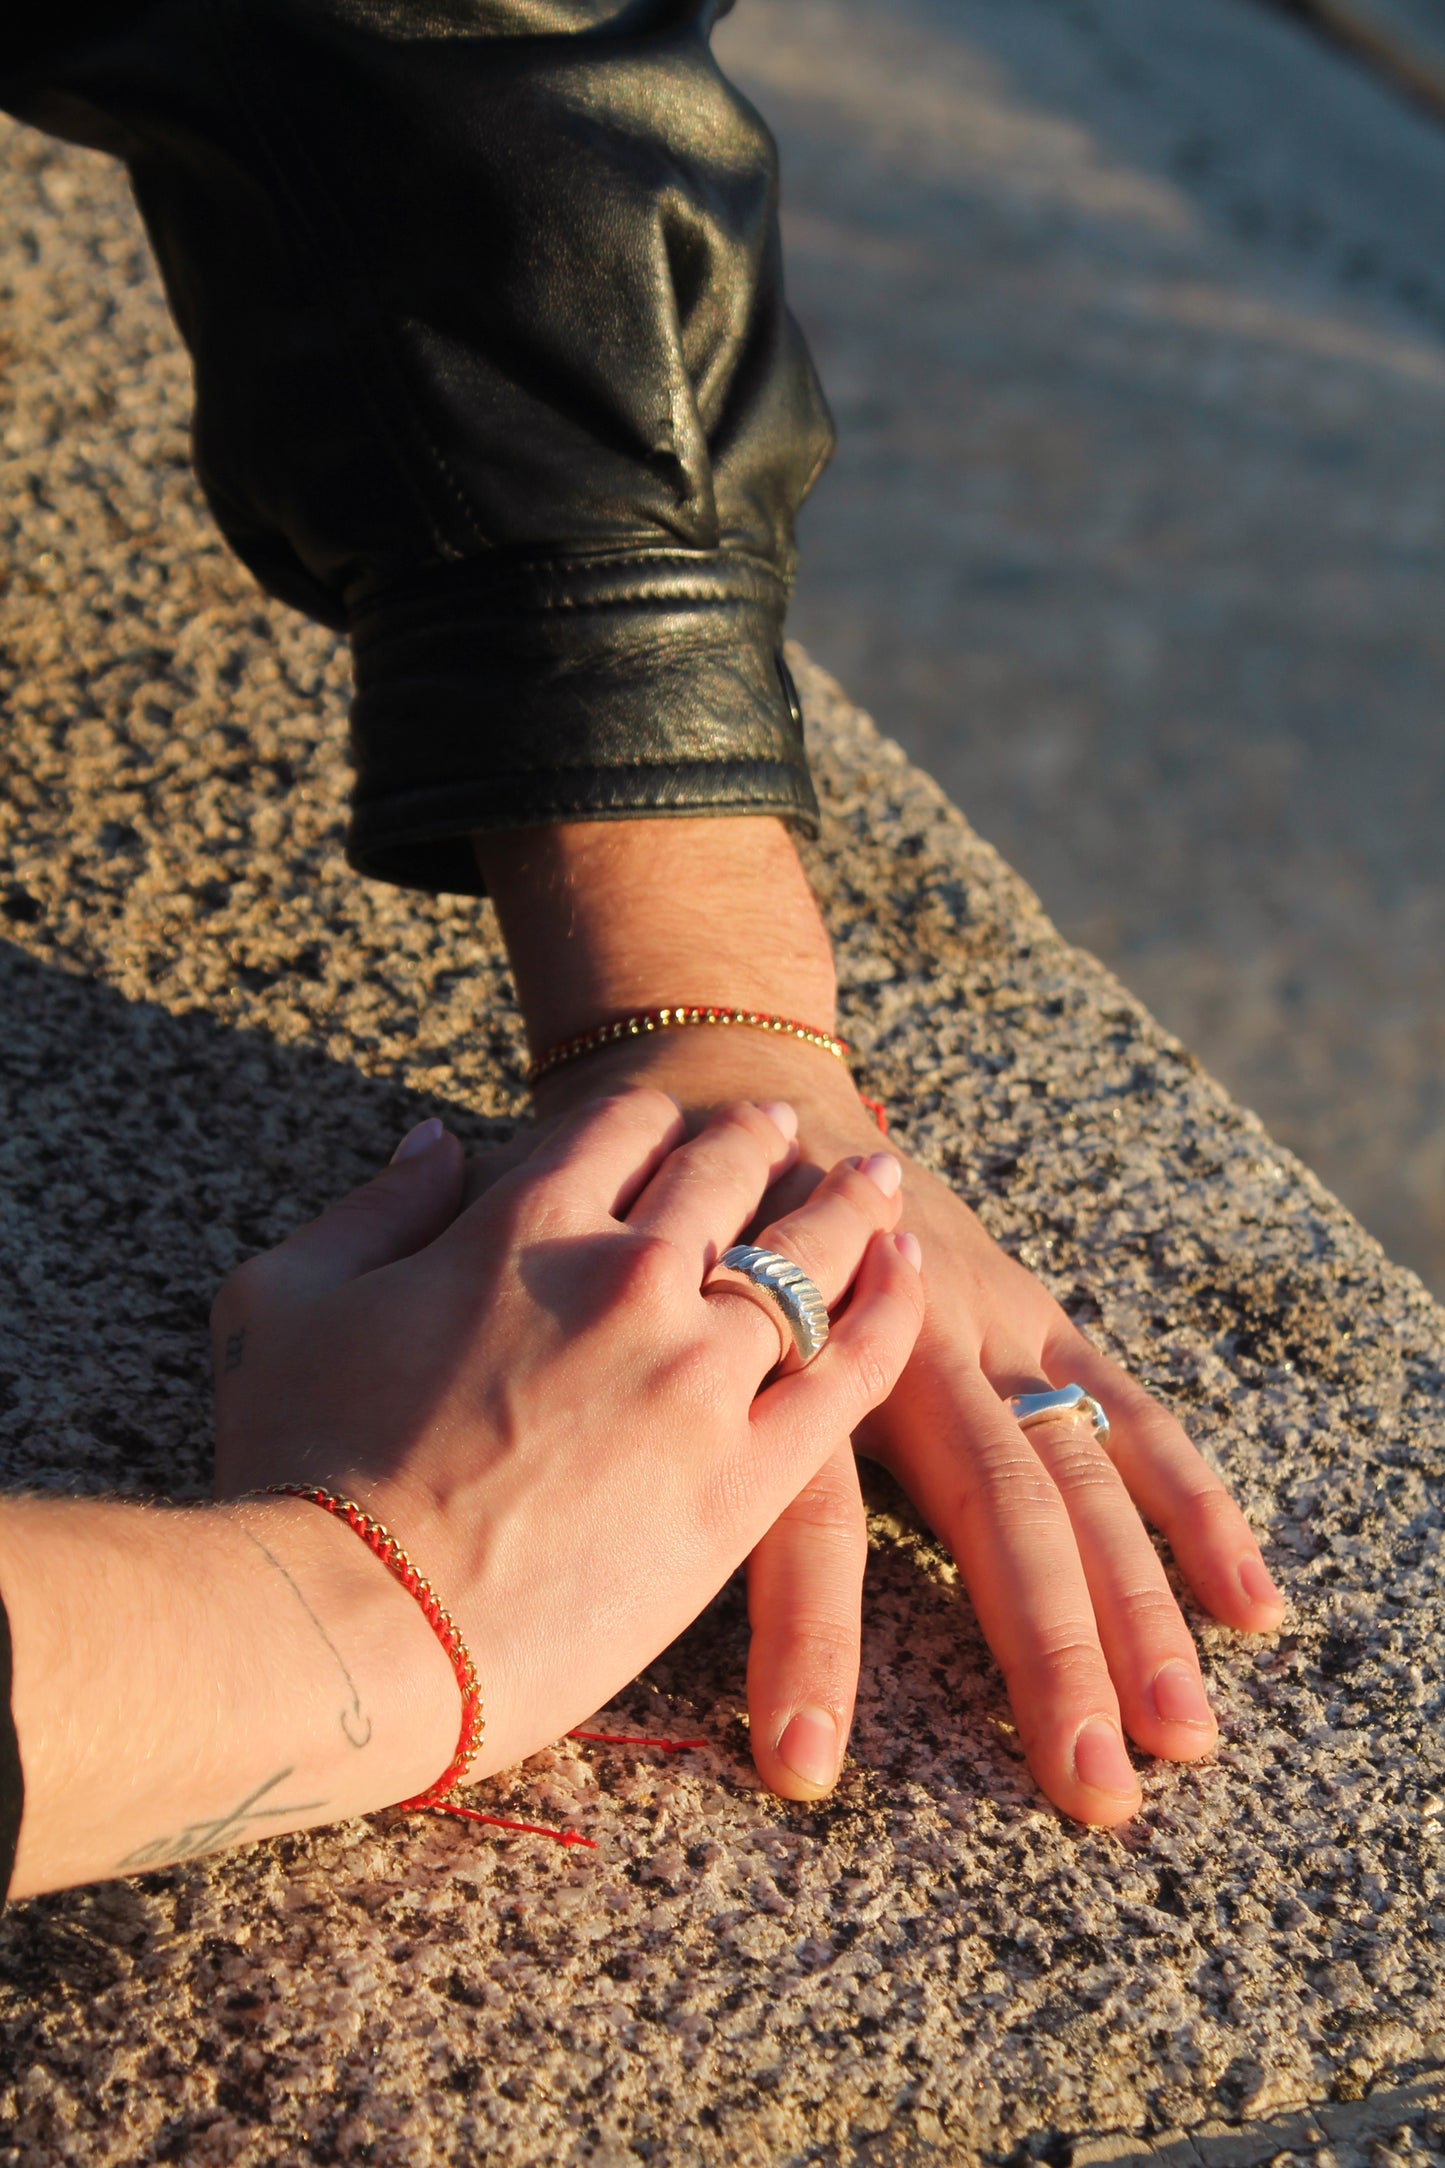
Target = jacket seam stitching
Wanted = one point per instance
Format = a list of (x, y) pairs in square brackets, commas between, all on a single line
[(533, 583), (545, 606)]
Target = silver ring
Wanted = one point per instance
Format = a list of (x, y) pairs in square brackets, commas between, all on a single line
[(1029, 1408), (789, 1296)]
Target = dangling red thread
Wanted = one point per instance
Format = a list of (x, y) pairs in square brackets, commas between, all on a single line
[(615, 1738), (876, 1109), (565, 1836), (524, 1829)]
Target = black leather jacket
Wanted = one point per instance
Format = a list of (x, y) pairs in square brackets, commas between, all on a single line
[(492, 368)]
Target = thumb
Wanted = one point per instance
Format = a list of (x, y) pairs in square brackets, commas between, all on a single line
[(400, 1211), (485, 1169)]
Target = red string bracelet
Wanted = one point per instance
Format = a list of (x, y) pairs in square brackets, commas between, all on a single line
[(384, 1545), (434, 1799), (643, 1021)]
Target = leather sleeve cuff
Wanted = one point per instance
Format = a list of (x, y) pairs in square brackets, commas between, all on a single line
[(612, 688)]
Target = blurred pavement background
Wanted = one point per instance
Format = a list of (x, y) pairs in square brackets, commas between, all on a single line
[(1133, 321)]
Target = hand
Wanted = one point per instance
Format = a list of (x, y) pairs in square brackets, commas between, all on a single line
[(572, 1440), (1045, 1524), (536, 1395), (608, 917)]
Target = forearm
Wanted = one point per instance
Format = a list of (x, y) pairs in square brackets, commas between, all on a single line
[(189, 1679)]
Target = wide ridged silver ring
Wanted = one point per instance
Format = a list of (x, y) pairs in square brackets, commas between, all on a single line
[(782, 1289), (1071, 1400)]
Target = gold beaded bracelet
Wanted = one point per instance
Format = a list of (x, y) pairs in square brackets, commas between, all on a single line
[(643, 1021)]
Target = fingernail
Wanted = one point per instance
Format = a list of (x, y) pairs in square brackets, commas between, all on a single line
[(909, 1247), (809, 1747), (884, 1172), (1101, 1760), (1179, 1696), (420, 1139), (1255, 1581), (781, 1115)]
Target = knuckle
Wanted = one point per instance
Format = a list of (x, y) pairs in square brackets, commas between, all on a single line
[(834, 1510), (820, 1659), (751, 1121), (874, 1368), (544, 1203), (376, 1206), (803, 1243), (1066, 1660), (510, 1213), (506, 1223), (1135, 1402), (1160, 1434), (1151, 1614), (649, 1272), (849, 1186), (1208, 1508), (820, 1234), (1077, 1461), (1003, 1471), (640, 1099), (728, 1165), (241, 1290)]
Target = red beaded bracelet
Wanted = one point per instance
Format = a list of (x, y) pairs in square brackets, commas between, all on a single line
[(643, 1021)]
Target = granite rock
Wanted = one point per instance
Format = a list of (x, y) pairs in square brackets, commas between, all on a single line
[(212, 1026)]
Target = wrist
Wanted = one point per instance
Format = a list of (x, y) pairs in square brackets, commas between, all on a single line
[(709, 1066), (605, 918), (191, 1678), (380, 1695)]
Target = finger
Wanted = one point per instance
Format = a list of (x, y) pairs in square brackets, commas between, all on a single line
[(399, 1212), (1176, 1490), (594, 1163), (805, 1592), (1148, 1647), (828, 1234), (707, 1191), (486, 1169), (994, 1504), (799, 1413), (826, 1237)]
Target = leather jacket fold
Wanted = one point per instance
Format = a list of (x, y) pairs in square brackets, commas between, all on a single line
[(492, 369)]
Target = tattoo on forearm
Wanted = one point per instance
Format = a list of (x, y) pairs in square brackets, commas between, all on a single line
[(235, 1353), (223, 1829), (355, 1723)]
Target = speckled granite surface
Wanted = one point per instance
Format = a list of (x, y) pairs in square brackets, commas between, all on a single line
[(210, 1026)]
